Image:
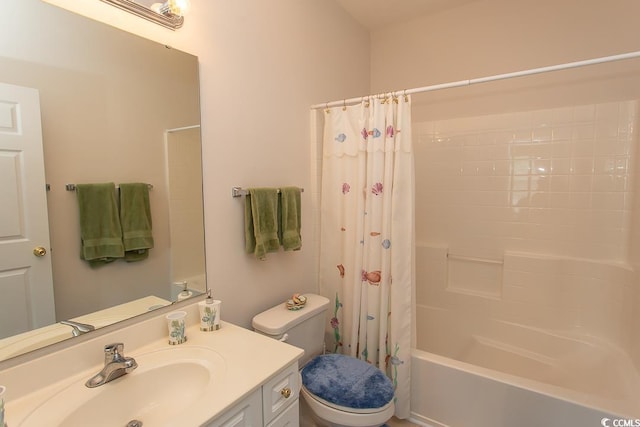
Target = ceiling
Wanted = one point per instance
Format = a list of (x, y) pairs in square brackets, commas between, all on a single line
[(374, 14)]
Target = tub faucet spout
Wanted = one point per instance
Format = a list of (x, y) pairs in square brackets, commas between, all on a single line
[(115, 365)]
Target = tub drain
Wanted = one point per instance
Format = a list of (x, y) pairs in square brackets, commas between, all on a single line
[(134, 423)]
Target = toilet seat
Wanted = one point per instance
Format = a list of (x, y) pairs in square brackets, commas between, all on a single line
[(347, 384)]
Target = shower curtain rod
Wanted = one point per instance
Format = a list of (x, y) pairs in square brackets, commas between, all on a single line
[(470, 82)]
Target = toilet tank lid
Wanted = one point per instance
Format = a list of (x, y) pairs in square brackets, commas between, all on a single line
[(278, 320)]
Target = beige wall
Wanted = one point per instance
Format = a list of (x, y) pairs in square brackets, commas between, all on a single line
[(490, 37), (262, 64)]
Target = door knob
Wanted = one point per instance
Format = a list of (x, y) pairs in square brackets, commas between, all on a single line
[(39, 251)]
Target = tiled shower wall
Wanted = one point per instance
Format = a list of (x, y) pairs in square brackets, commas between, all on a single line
[(526, 217), (554, 181)]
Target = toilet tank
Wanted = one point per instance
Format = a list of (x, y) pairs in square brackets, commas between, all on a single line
[(303, 328)]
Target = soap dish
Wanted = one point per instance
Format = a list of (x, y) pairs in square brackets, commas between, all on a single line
[(297, 302)]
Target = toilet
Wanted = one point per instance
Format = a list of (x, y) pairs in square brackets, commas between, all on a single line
[(338, 390)]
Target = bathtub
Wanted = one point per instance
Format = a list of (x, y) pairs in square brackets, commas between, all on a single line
[(495, 373)]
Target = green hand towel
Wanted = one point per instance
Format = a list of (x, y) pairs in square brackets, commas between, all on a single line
[(135, 217), (100, 231), (291, 219), (261, 221)]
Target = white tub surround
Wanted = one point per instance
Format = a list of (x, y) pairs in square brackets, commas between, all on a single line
[(525, 324), (250, 363), (448, 393), (498, 363), (526, 286)]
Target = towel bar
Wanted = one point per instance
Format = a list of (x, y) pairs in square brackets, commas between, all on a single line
[(72, 187), (239, 191)]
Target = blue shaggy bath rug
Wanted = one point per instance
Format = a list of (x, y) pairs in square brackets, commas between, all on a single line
[(347, 381)]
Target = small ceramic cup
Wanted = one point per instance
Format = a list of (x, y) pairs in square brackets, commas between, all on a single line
[(209, 315), (176, 325)]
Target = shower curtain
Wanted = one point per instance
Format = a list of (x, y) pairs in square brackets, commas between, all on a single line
[(366, 235)]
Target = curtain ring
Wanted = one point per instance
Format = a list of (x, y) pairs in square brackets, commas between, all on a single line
[(344, 105), (368, 101), (406, 97), (326, 108)]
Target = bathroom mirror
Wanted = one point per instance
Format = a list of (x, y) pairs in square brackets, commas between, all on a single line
[(114, 108)]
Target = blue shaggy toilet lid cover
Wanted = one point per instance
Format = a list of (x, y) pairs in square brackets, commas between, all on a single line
[(347, 381)]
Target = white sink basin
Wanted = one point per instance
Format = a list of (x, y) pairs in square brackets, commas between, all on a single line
[(163, 386)]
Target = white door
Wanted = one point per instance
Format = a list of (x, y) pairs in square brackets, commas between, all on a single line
[(26, 283)]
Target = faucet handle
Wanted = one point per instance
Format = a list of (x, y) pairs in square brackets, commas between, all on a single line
[(113, 352)]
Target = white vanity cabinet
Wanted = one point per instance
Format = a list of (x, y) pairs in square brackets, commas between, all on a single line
[(279, 393), (247, 413), (289, 418), (275, 404)]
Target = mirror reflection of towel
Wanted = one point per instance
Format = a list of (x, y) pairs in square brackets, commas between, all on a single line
[(100, 231), (135, 217)]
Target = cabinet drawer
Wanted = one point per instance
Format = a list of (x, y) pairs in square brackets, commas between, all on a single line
[(290, 417), (280, 392), (247, 413)]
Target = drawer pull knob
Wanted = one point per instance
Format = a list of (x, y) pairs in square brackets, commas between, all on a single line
[(286, 392)]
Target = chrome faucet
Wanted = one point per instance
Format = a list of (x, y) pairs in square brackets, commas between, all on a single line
[(115, 365), (78, 328)]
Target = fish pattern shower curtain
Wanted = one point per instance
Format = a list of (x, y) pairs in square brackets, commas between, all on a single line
[(367, 235)]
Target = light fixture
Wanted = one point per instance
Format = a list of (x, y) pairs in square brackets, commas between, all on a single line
[(172, 7), (169, 14)]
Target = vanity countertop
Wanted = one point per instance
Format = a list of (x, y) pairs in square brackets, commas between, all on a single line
[(250, 359)]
